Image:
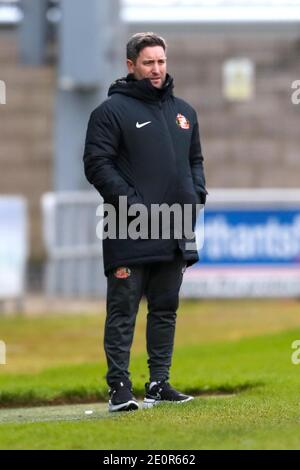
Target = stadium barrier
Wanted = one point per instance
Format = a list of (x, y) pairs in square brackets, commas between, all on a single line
[(74, 267), (13, 249), (251, 245)]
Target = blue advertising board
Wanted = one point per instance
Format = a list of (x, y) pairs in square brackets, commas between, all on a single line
[(251, 248)]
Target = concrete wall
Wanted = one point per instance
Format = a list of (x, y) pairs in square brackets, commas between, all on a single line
[(252, 144), (26, 133)]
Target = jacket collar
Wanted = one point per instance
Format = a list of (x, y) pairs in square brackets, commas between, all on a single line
[(142, 89)]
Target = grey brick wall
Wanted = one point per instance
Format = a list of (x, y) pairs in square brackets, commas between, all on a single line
[(251, 144), (26, 133)]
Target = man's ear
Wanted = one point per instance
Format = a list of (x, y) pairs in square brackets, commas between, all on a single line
[(130, 66)]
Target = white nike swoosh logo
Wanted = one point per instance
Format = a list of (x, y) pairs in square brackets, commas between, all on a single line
[(142, 124)]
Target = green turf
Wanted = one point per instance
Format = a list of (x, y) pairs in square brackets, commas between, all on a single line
[(245, 422), (54, 413), (266, 415), (261, 410), (36, 343)]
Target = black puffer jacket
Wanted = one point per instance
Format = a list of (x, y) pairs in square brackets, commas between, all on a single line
[(143, 143)]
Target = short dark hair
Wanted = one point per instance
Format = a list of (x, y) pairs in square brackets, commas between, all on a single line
[(141, 40)]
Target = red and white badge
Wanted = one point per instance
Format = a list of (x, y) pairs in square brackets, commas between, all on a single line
[(122, 273), (182, 121)]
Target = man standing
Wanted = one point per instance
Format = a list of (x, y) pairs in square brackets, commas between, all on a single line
[(143, 143)]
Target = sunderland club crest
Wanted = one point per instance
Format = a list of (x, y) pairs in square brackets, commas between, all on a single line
[(122, 273), (182, 121)]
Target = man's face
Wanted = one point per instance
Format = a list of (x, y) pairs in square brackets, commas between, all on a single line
[(151, 63)]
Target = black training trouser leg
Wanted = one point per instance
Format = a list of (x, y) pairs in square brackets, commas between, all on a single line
[(122, 303), (162, 293)]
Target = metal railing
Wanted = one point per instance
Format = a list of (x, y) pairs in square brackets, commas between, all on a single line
[(75, 266)]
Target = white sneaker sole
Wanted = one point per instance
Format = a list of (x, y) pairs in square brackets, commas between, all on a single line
[(130, 405), (150, 402)]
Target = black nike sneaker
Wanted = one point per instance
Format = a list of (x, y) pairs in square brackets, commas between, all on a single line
[(162, 392), (121, 398)]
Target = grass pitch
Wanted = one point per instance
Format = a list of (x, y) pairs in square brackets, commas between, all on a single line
[(235, 356)]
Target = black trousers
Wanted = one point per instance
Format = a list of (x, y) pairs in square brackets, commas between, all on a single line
[(160, 282)]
